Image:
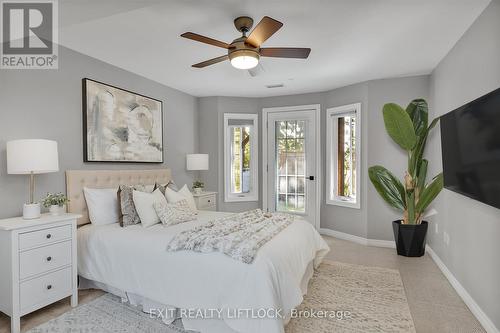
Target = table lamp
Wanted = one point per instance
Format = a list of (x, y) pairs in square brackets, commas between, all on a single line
[(31, 157), (197, 162)]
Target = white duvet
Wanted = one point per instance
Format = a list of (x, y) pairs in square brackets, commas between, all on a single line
[(134, 259)]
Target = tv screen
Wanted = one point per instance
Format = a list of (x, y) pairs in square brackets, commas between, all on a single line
[(470, 139)]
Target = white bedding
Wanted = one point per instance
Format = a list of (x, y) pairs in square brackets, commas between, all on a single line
[(134, 259)]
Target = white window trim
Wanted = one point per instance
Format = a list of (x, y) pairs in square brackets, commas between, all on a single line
[(253, 195), (331, 149)]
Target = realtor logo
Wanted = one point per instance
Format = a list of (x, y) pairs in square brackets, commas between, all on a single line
[(29, 34)]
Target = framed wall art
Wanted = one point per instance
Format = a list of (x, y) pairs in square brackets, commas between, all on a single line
[(120, 125)]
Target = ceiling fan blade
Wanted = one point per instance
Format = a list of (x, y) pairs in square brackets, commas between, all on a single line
[(206, 40), (211, 61), (285, 52), (265, 29)]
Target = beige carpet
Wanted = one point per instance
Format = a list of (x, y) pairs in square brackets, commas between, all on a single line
[(356, 298)]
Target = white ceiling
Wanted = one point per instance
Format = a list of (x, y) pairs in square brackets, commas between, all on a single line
[(351, 40)]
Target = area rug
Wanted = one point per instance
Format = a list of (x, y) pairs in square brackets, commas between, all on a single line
[(107, 314), (341, 298), (361, 298)]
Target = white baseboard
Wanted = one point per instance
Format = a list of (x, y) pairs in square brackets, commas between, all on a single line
[(466, 297), (357, 239)]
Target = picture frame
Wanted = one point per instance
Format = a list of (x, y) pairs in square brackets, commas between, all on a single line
[(120, 126)]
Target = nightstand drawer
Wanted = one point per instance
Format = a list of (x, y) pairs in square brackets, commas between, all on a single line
[(45, 236), (44, 259), (45, 289), (207, 202)]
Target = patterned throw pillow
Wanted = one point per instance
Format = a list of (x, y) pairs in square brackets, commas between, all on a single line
[(128, 213), (174, 213), (171, 185)]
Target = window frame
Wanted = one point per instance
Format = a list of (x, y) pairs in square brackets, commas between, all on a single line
[(253, 195), (332, 115)]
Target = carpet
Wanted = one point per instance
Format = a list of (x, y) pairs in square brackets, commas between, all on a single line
[(341, 298)]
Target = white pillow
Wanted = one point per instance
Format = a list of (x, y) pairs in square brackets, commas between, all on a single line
[(102, 204), (183, 194), (144, 205)]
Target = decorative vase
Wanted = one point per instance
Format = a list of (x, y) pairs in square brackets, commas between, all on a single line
[(31, 211), (198, 190), (56, 210), (410, 238)]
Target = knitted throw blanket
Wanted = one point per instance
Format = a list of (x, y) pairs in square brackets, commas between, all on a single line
[(239, 236)]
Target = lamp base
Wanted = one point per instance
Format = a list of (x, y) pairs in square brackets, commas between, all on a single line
[(31, 211)]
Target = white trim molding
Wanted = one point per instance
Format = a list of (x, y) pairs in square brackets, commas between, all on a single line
[(332, 153), (357, 239), (253, 195), (462, 292)]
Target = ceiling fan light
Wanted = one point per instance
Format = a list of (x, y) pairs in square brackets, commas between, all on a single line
[(244, 59)]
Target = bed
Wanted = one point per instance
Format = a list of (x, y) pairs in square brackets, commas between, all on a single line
[(133, 263)]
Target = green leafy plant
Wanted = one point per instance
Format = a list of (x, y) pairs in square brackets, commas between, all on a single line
[(409, 129), (54, 199), (198, 184)]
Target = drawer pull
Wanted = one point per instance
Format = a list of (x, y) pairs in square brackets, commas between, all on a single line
[(49, 287), (49, 236), (209, 200), (49, 258)]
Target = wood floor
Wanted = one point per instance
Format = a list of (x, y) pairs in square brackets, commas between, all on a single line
[(434, 304)]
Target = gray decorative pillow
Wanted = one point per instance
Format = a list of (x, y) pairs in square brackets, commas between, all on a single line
[(171, 185), (174, 213), (128, 214)]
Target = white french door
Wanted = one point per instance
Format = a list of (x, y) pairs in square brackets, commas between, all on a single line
[(292, 167)]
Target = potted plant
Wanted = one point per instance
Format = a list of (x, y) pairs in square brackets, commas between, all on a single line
[(409, 129), (198, 186), (55, 202)]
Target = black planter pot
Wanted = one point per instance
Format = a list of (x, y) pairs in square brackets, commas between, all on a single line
[(410, 238)]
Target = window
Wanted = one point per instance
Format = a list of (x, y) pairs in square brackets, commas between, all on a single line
[(241, 175), (343, 155)]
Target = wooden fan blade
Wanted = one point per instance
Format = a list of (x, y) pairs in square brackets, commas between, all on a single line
[(211, 61), (265, 29), (206, 40), (285, 52)]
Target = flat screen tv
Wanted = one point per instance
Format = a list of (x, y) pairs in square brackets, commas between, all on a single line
[(470, 138)]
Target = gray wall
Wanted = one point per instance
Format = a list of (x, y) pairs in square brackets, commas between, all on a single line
[(48, 104), (470, 70), (374, 217)]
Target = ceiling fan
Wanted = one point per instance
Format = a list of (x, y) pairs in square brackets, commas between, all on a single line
[(244, 52)]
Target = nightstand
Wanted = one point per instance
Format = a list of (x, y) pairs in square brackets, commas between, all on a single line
[(38, 264), (206, 201)]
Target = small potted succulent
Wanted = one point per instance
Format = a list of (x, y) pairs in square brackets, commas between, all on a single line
[(55, 202), (198, 186)]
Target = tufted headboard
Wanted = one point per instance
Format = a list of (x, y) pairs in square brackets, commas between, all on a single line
[(76, 180)]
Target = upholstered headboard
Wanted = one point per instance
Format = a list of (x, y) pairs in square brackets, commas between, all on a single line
[(76, 180)]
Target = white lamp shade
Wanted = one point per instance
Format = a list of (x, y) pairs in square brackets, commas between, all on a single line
[(197, 161), (37, 156)]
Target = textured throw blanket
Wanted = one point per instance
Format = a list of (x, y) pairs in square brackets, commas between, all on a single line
[(239, 236)]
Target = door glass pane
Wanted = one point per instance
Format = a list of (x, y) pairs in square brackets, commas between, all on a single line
[(291, 166)]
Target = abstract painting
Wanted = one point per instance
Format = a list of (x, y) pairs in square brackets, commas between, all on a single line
[(120, 125)]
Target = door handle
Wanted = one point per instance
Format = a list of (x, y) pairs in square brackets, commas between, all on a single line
[(311, 177)]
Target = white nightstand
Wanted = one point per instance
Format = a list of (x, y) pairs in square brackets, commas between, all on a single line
[(206, 200), (38, 264)]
